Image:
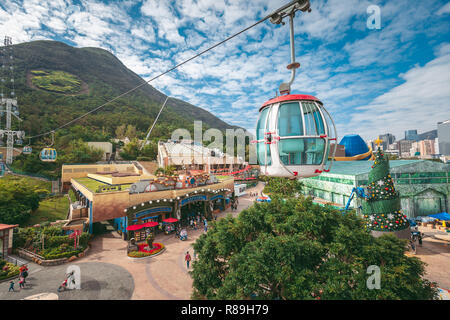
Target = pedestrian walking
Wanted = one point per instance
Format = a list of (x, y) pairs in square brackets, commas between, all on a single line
[(23, 273), (63, 285), (191, 223), (206, 225), (195, 255), (195, 225), (11, 286), (187, 258), (21, 283)]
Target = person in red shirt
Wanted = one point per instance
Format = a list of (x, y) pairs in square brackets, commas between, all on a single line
[(187, 258)]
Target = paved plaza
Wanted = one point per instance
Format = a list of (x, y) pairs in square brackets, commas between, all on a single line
[(436, 254), (99, 281), (107, 272)]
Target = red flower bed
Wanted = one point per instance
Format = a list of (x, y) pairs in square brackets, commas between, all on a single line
[(156, 248)]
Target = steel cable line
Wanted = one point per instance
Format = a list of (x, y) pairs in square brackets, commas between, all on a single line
[(169, 70)]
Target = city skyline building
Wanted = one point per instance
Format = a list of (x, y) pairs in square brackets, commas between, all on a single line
[(426, 148), (411, 135), (404, 147), (443, 129)]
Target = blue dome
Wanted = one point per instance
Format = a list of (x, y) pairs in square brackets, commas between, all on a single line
[(354, 145)]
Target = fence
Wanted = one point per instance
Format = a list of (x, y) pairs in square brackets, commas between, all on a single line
[(34, 175), (15, 261)]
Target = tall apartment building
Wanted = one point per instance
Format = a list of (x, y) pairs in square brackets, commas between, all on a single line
[(411, 135), (443, 129), (387, 140), (404, 147), (426, 148), (415, 150)]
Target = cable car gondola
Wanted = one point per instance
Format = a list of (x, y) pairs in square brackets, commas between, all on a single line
[(294, 132), (49, 154), (27, 150)]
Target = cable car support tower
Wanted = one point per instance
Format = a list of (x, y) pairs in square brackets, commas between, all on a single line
[(8, 106)]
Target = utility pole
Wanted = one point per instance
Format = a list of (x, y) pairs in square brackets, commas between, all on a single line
[(8, 106)]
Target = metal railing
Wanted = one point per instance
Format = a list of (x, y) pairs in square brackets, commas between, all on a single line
[(14, 261)]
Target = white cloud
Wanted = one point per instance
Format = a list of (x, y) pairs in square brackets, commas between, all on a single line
[(343, 63), (418, 103), (445, 9)]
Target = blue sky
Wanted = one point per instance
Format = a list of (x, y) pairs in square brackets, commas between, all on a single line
[(372, 81)]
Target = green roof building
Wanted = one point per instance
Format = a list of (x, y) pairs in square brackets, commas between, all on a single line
[(423, 185)]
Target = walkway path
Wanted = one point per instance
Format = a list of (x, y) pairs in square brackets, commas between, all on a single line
[(436, 254), (99, 281), (163, 277)]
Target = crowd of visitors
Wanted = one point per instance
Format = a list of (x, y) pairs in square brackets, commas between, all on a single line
[(21, 281)]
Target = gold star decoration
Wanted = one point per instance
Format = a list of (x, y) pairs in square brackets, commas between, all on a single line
[(378, 141)]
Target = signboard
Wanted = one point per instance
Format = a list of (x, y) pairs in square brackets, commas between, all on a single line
[(219, 196), (192, 199), (153, 210)]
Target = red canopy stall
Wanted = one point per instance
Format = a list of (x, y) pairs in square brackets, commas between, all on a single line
[(135, 227), (169, 225)]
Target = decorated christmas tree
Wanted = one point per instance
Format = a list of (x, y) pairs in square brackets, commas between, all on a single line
[(381, 208)]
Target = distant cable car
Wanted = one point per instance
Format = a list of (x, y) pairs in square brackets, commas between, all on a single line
[(294, 132), (49, 154), (27, 150)]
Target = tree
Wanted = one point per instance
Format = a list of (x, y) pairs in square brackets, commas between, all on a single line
[(17, 201), (120, 131), (79, 152), (382, 209), (131, 150), (130, 132), (295, 249), (168, 170), (282, 186), (150, 150)]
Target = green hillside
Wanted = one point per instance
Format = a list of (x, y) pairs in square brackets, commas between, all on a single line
[(49, 84)]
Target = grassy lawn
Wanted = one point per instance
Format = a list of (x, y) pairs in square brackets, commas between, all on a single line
[(56, 81), (51, 209), (31, 182), (93, 185), (89, 183)]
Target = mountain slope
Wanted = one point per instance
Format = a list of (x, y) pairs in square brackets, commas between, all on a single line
[(103, 77)]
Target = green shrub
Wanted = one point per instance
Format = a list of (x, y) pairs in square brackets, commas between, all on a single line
[(144, 159), (12, 271), (52, 231), (54, 254)]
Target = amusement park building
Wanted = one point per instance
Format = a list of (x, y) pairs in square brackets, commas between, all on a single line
[(189, 154), (423, 185), (123, 193)]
